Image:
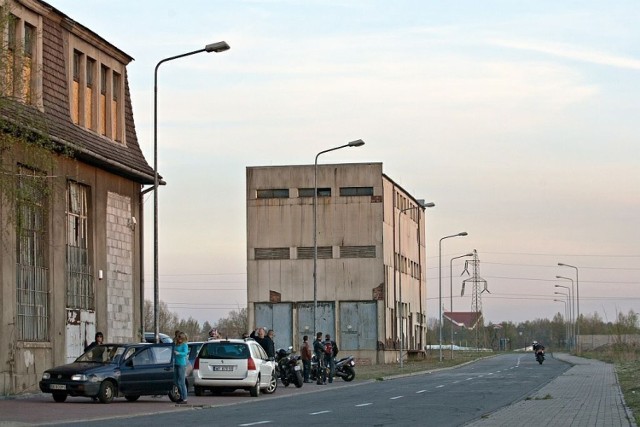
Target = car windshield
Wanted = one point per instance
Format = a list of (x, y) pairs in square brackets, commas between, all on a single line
[(224, 350), (105, 353)]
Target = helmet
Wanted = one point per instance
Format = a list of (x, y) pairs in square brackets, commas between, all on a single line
[(535, 342), (282, 352)]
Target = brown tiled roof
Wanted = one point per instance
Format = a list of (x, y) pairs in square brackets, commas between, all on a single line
[(467, 319), (87, 146)]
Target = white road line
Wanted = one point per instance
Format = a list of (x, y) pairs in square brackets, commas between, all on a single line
[(440, 386), (319, 412), (396, 397), (469, 379), (420, 391), (255, 424), (363, 404)]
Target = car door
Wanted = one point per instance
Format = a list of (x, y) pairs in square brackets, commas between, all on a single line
[(262, 360), (148, 371)]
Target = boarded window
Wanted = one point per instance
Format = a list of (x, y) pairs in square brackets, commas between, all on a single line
[(103, 100), (273, 193), (324, 252), (32, 273), (115, 111), (356, 191), (75, 92), (272, 253), (80, 292), (357, 251), (88, 94), (308, 192)]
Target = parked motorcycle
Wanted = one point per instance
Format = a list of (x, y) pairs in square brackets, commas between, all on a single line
[(540, 356), (288, 367), (345, 368)]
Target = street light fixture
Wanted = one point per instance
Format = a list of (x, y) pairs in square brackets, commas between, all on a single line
[(423, 205), (573, 310), (451, 293), (578, 305), (464, 233), (356, 143), (567, 304), (212, 47), (571, 314)]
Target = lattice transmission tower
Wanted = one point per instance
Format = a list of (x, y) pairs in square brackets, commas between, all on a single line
[(479, 287)]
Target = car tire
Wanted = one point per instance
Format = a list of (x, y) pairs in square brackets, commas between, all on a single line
[(107, 392), (174, 393), (273, 385), (59, 396), (255, 390), (132, 397), (199, 391)]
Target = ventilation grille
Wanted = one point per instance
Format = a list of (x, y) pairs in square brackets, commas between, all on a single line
[(357, 251), (324, 252), (271, 253)]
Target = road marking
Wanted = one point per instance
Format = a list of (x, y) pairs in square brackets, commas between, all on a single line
[(363, 404), (420, 391), (469, 379), (497, 372), (491, 373), (255, 424), (456, 382), (440, 386), (319, 412), (396, 397)]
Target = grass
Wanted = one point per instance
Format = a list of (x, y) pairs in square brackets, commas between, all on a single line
[(626, 359)]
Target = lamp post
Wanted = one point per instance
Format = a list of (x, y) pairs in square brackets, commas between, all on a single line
[(213, 47), (565, 309), (573, 310), (423, 205), (568, 305), (577, 334), (451, 293), (356, 143), (570, 308), (464, 233)]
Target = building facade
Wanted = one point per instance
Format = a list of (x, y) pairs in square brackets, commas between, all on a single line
[(71, 177), (370, 289)]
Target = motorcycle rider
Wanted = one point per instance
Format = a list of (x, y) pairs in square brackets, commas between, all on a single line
[(331, 351), (537, 346), (318, 350), (305, 356)]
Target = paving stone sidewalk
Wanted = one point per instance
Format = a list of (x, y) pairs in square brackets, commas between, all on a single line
[(588, 394)]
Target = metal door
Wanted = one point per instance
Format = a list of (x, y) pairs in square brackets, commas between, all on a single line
[(358, 325), (80, 331), (278, 317), (326, 320)]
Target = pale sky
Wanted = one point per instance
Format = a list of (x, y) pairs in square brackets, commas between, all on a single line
[(520, 120)]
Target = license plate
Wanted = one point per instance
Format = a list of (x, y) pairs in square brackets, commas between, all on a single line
[(296, 368), (222, 368), (57, 387)]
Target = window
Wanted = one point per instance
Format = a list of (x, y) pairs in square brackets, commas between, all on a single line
[(80, 292), (75, 88), (356, 191), (19, 65), (115, 107), (103, 100), (32, 273), (88, 93), (277, 193), (308, 192)]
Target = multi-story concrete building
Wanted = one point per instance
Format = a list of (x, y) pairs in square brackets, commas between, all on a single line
[(370, 258), (71, 204)]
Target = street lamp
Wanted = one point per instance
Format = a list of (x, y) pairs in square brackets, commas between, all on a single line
[(573, 310), (356, 143), (451, 293), (213, 47), (569, 290), (565, 309), (421, 204), (464, 233), (578, 305), (568, 304)]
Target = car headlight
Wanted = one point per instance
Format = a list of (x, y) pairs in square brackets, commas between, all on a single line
[(46, 376), (78, 377)]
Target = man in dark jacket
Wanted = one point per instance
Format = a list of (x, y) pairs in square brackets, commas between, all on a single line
[(318, 350), (330, 353), (266, 342), (99, 338)]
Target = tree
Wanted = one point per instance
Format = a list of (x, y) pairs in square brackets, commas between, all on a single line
[(167, 320), (234, 325)]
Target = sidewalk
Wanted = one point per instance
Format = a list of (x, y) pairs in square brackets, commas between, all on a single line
[(588, 394)]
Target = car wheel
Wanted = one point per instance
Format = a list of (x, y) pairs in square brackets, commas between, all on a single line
[(199, 391), (132, 397), (273, 385), (59, 396), (255, 390), (174, 393), (107, 392)]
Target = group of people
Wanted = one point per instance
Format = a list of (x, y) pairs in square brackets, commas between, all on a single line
[(325, 352), (265, 340)]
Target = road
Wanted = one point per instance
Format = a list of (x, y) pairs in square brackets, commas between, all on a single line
[(450, 397)]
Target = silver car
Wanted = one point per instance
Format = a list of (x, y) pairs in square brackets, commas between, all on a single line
[(227, 365)]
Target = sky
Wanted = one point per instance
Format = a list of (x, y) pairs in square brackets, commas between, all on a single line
[(519, 120)]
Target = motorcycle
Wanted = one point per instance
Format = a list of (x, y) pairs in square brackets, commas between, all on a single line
[(345, 369), (540, 355), (287, 367)]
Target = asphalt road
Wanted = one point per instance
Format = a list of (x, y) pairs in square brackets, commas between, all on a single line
[(450, 397)]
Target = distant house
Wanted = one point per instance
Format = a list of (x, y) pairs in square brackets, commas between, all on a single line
[(371, 258), (71, 175)]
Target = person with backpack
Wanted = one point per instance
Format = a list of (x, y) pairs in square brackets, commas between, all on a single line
[(330, 353), (318, 350)]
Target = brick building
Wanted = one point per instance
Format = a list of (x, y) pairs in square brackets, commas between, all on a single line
[(71, 205)]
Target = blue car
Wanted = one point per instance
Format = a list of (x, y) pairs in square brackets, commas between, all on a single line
[(107, 371)]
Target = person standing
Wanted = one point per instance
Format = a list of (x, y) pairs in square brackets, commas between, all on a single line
[(318, 350), (305, 356), (181, 351), (98, 339), (330, 352), (269, 345)]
